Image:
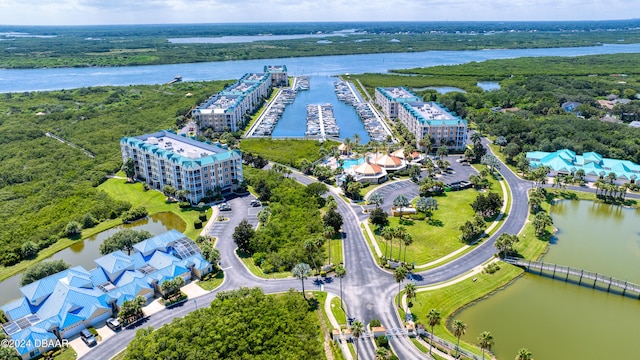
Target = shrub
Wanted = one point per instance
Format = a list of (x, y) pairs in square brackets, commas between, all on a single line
[(135, 213), (88, 221), (374, 323), (10, 258), (29, 249), (42, 270), (491, 268), (72, 229), (382, 341), (197, 224), (113, 214), (184, 204), (145, 187), (202, 216)]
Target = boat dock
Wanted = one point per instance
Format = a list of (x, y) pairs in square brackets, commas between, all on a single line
[(301, 83), (269, 119), (373, 123), (320, 121)]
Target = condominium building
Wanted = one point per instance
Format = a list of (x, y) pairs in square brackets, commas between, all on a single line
[(390, 99), (164, 158), (432, 120), (278, 74), (227, 110)]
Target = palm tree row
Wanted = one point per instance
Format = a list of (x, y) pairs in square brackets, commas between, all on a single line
[(400, 233)]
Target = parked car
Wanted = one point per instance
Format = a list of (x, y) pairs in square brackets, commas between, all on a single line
[(256, 203), (114, 324), (224, 207), (88, 338)]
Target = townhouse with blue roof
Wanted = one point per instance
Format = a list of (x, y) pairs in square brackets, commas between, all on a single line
[(164, 158), (593, 164), (61, 305)]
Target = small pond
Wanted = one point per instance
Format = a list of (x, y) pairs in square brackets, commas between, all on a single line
[(488, 85), (83, 252)]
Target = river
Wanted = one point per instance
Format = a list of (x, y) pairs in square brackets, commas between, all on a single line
[(71, 78), (83, 252), (558, 320)]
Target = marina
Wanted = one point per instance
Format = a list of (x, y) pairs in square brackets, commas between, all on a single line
[(321, 122), (373, 123), (269, 119)]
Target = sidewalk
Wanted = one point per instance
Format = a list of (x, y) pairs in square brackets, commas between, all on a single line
[(334, 323)]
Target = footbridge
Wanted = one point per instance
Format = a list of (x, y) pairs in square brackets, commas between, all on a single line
[(584, 277)]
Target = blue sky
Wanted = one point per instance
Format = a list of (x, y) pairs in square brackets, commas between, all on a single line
[(90, 12)]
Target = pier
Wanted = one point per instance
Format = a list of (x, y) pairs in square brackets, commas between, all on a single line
[(320, 121), (561, 272), (373, 123)]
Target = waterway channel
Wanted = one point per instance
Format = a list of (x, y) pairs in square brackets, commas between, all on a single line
[(83, 252), (20, 80), (558, 320)]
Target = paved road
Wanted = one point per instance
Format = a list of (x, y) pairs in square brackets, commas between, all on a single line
[(368, 290)]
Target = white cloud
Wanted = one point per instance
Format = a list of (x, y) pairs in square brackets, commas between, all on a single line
[(73, 12)]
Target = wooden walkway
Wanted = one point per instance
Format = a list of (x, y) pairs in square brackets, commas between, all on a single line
[(607, 282)]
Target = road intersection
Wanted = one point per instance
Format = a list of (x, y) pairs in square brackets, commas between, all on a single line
[(368, 290)]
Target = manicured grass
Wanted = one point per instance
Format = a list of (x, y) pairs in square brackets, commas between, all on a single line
[(451, 298), (119, 356), (336, 250), (153, 201), (68, 354), (212, 282), (255, 270), (286, 151), (338, 313), (420, 346), (440, 236)]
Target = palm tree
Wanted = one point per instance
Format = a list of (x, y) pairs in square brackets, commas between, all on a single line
[(301, 271), (356, 330), (376, 198), (399, 275), (410, 291), (341, 272), (407, 239), (328, 232), (476, 137), (388, 233), (459, 329), (486, 342), (524, 354), (399, 233), (434, 319), (401, 202), (382, 353), (356, 140), (310, 246), (541, 221)]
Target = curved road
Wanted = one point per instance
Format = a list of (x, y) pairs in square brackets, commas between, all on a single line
[(368, 290)]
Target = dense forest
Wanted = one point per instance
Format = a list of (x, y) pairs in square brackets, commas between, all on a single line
[(239, 324), (293, 218), (527, 109), (148, 44), (44, 183)]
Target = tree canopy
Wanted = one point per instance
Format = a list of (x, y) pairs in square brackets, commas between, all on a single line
[(123, 240), (41, 270), (239, 324)]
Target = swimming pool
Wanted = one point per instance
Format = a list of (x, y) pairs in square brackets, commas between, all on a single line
[(351, 162)]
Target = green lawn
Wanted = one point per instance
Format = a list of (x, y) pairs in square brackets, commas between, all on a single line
[(336, 250), (338, 313), (451, 298), (212, 282), (153, 201), (440, 236), (67, 354), (286, 151)]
